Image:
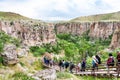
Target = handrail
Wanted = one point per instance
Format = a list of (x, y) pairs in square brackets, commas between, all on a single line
[(106, 69), (101, 69)]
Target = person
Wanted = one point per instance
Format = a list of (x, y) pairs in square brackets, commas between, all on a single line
[(98, 58), (71, 67), (78, 67), (110, 61), (66, 65), (94, 63), (83, 65), (118, 57), (51, 62), (118, 63), (46, 61), (63, 64), (60, 64)]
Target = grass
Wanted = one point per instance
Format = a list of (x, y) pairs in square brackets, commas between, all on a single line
[(99, 17), (95, 78), (5, 38), (66, 76), (69, 76), (21, 76), (11, 16)]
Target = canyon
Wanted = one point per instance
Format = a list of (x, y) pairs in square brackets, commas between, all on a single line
[(35, 33)]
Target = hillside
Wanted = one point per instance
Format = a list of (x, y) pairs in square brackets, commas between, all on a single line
[(12, 16), (99, 17)]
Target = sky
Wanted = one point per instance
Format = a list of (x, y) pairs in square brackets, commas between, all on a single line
[(59, 9)]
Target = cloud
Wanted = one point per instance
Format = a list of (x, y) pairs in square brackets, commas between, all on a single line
[(59, 9)]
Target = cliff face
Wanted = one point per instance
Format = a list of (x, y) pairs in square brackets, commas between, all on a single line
[(28, 32), (72, 28), (32, 34), (101, 30), (115, 43)]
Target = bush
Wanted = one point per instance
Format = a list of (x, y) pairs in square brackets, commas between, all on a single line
[(38, 65), (22, 64), (63, 75), (64, 36), (21, 76), (1, 46), (1, 59), (37, 51), (4, 38)]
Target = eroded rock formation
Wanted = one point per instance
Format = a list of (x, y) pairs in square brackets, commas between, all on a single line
[(47, 74), (10, 54), (72, 28), (95, 30), (30, 33), (115, 43)]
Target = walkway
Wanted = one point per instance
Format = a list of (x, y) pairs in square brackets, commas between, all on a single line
[(102, 71)]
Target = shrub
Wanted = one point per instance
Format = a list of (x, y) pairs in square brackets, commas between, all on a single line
[(1, 46), (38, 65), (11, 23), (63, 75), (1, 59), (4, 38), (22, 64), (21, 76), (37, 51)]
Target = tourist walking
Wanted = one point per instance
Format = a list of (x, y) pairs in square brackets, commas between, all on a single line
[(60, 65), (78, 67), (118, 57), (118, 63), (63, 64), (66, 65), (98, 58), (83, 65), (94, 63), (71, 67), (110, 61)]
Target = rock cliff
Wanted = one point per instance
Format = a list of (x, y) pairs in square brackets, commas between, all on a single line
[(115, 43), (103, 30), (30, 33)]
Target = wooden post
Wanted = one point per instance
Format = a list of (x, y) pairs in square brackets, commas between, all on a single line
[(118, 70), (76, 69), (108, 71)]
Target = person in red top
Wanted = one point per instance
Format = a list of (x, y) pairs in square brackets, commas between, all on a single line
[(118, 63), (110, 61), (118, 57)]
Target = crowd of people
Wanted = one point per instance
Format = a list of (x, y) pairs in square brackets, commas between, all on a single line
[(81, 66)]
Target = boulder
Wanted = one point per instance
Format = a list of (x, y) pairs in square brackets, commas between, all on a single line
[(47, 74), (22, 52), (9, 55)]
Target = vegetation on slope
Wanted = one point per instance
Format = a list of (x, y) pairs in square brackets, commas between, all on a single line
[(4, 39), (99, 17), (12, 16), (74, 47), (21, 76), (69, 76)]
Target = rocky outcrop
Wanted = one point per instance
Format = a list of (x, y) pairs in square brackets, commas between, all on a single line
[(47, 74), (115, 43), (103, 30), (72, 28), (9, 55), (22, 52), (96, 29), (30, 33)]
